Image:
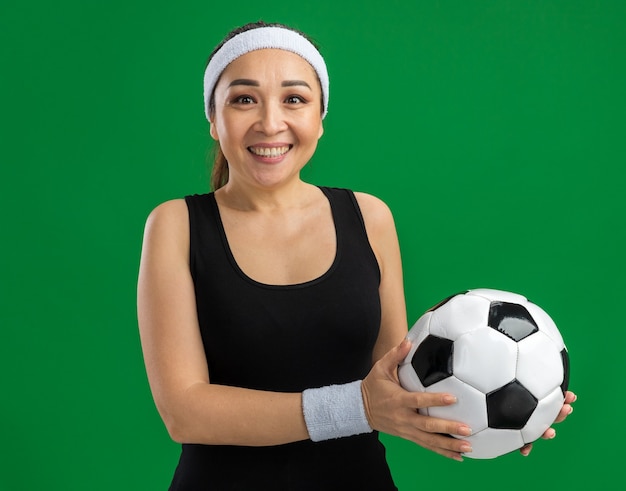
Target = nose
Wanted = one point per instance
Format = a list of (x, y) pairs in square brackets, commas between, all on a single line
[(271, 118)]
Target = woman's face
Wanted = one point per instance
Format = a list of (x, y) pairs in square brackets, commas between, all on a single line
[(267, 116)]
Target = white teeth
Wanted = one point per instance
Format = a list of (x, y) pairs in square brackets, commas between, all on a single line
[(269, 151)]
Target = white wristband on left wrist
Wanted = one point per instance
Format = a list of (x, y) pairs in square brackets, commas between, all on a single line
[(335, 411)]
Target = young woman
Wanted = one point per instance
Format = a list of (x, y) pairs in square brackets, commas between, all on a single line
[(271, 311)]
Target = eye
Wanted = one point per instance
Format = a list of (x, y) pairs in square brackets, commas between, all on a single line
[(295, 99), (243, 99)]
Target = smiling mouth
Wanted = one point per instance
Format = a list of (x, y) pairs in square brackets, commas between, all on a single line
[(270, 152)]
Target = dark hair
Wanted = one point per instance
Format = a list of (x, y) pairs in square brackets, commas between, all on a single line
[(219, 171)]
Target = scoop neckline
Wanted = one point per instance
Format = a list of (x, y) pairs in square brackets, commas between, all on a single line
[(289, 286)]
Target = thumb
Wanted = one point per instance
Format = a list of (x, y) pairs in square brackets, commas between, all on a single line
[(396, 355)]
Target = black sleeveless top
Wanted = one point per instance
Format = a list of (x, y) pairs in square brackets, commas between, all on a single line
[(286, 338)]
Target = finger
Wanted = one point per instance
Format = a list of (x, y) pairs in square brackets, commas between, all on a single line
[(400, 352), (549, 434), (443, 444), (394, 357), (565, 411), (458, 456), (429, 399), (436, 434), (526, 449), (570, 397), (438, 430)]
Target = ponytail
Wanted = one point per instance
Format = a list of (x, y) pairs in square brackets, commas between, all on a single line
[(219, 172)]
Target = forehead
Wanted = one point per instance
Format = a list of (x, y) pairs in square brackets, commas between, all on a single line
[(269, 64)]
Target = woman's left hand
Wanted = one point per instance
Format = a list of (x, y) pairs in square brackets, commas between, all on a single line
[(550, 433)]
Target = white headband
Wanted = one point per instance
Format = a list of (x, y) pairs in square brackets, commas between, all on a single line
[(264, 38)]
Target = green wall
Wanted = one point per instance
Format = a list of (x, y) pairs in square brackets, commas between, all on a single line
[(495, 130)]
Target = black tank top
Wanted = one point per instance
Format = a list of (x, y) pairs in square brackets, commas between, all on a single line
[(286, 338)]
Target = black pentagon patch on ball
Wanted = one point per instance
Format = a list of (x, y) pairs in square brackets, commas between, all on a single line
[(432, 360), (510, 406), (565, 358), (512, 320)]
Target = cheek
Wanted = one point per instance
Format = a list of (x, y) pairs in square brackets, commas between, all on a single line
[(309, 126), (224, 130), (316, 131)]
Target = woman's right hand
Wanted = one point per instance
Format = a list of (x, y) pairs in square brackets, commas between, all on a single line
[(393, 410)]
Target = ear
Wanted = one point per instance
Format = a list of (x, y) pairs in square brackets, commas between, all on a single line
[(213, 130), (321, 130)]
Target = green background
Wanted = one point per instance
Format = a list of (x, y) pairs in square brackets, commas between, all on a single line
[(495, 130)]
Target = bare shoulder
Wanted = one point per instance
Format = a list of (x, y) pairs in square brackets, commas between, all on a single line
[(170, 214), (376, 213), (168, 223), (169, 211)]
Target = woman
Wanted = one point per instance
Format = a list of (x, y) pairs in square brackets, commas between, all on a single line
[(271, 311)]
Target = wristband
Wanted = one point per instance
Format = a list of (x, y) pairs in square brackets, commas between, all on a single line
[(334, 411)]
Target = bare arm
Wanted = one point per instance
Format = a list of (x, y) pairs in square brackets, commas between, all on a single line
[(193, 409), (383, 238), (388, 406)]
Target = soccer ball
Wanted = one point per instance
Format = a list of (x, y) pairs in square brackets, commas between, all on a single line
[(501, 356)]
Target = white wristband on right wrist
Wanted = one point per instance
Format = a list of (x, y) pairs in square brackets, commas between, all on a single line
[(335, 411)]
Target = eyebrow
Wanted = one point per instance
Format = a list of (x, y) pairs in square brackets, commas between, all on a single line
[(292, 83), (253, 83), (244, 81)]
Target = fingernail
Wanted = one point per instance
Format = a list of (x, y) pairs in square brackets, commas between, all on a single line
[(466, 448), (465, 431), (448, 399)]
